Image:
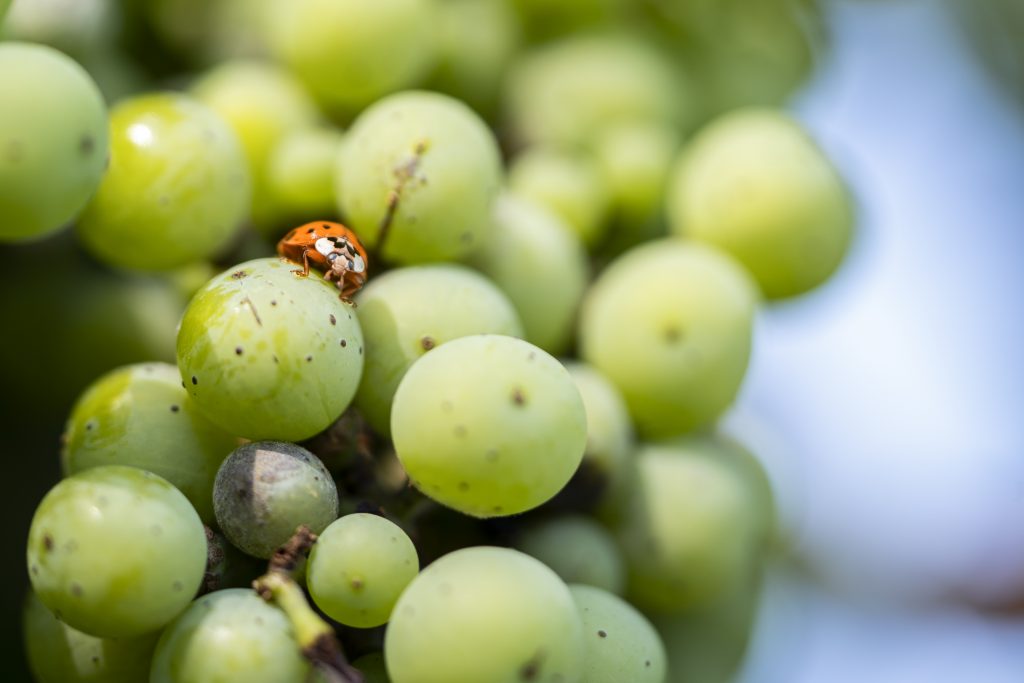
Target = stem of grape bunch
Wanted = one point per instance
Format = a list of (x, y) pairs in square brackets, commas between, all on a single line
[(315, 636)]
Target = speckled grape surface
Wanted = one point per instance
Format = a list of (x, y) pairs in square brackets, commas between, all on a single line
[(53, 139), (141, 416), (489, 425), (266, 489), (229, 635), (116, 551), (358, 567), (408, 311), (485, 614), (267, 354)]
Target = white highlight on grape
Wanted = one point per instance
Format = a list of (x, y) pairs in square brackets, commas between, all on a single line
[(141, 134)]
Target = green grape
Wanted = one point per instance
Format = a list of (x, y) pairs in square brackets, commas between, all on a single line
[(488, 425), (620, 643), (565, 93), (419, 171), (373, 668), (609, 430), (690, 531), (53, 139), (358, 567), (262, 103), (406, 312), (537, 260), (141, 416), (176, 190), (485, 614), (569, 185), (544, 19), (115, 551), (267, 354), (230, 635), (300, 172), (79, 29), (670, 323), (4, 4), (754, 185), (476, 42), (578, 549), (634, 160), (265, 490), (351, 52), (58, 653)]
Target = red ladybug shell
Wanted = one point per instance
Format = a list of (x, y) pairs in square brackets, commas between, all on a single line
[(332, 249)]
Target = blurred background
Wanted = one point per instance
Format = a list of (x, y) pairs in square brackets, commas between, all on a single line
[(887, 405)]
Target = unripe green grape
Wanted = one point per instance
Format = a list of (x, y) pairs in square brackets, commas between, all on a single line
[(485, 614), (262, 103), (670, 323), (634, 160), (300, 172), (409, 311), (544, 20), (358, 567), (620, 643), (476, 42), (115, 551), (689, 532), (229, 635), (268, 354), (265, 490), (567, 92), (58, 653), (177, 188), (373, 668), (423, 170), (351, 52), (53, 139), (79, 29), (4, 4), (537, 260), (488, 425), (578, 549), (141, 416), (569, 185), (610, 439), (753, 184)]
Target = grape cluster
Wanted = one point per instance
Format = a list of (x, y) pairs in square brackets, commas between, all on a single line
[(501, 461)]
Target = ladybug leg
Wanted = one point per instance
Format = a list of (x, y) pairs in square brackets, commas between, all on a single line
[(305, 264)]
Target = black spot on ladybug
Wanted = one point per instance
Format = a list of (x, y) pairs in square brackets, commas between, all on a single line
[(344, 343), (195, 380), (310, 231), (238, 351), (238, 274), (47, 542), (86, 145), (175, 409)]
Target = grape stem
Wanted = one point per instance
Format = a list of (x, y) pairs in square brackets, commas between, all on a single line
[(403, 174), (315, 636)]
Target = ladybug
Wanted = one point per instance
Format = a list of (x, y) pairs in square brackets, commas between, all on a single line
[(331, 248)]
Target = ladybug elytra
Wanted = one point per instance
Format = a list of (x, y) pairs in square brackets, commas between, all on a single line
[(331, 248)]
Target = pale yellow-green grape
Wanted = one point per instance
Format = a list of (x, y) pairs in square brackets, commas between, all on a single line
[(199, 32), (229, 635), (488, 425), (115, 551), (177, 188), (569, 185), (620, 643), (689, 532), (408, 311), (610, 439), (268, 354), (755, 185), (58, 653), (351, 52), (262, 103), (476, 42), (141, 416), (544, 19), (670, 324), (634, 160), (540, 263), (300, 172), (419, 171), (79, 29), (578, 549), (53, 139), (707, 644), (358, 567), (373, 668), (485, 614), (4, 4), (565, 93)]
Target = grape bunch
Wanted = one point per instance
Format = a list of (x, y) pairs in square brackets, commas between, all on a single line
[(500, 460)]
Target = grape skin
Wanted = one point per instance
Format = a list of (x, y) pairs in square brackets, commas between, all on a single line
[(578, 549), (359, 566), (115, 551)]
